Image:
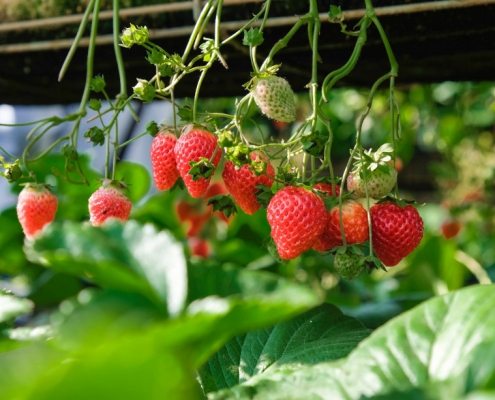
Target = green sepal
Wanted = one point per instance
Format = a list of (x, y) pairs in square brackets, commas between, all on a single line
[(225, 138), (287, 174), (223, 203), (134, 35), (185, 113), (253, 37), (69, 152), (12, 172), (314, 144), (335, 14), (272, 249), (152, 128), (239, 155), (97, 84), (95, 104), (201, 169), (263, 195), (95, 135), (155, 57), (207, 48), (144, 90), (400, 202)]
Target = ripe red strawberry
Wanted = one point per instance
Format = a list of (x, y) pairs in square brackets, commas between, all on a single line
[(184, 210), (241, 183), (164, 166), (348, 265), (450, 228), (199, 247), (355, 221), (193, 145), (397, 231), (297, 217), (109, 201), (327, 188), (36, 208), (275, 98)]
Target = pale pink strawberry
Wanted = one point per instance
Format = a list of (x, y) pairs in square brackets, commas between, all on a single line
[(36, 208), (109, 201)]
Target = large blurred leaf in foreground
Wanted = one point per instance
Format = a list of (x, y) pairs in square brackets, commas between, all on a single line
[(445, 339), (321, 334), (129, 257)]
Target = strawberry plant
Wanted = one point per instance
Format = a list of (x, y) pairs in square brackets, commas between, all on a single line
[(211, 287)]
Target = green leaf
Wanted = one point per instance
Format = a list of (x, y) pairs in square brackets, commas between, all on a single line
[(314, 144), (223, 203), (185, 113), (129, 257), (437, 341), (253, 37), (136, 177), (321, 334), (11, 307)]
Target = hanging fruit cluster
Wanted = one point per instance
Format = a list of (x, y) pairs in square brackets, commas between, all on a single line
[(357, 216)]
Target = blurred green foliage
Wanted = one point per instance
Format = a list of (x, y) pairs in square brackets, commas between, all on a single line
[(132, 310)]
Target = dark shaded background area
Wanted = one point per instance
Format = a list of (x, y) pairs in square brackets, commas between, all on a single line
[(456, 41)]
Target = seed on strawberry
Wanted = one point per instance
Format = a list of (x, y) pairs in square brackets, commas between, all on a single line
[(348, 265), (193, 145), (36, 208), (164, 166), (274, 96), (355, 221), (397, 231), (241, 183), (297, 217), (109, 201)]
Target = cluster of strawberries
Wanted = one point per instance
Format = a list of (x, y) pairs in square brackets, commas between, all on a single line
[(297, 215), (37, 205)]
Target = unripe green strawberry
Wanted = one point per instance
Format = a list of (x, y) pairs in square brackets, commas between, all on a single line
[(275, 98), (109, 201), (36, 208), (379, 183), (355, 221), (397, 231), (349, 266), (297, 217), (241, 183), (164, 166), (193, 145)]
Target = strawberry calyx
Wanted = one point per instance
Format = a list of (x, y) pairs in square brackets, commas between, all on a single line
[(12, 172), (224, 204), (115, 184), (377, 160), (400, 202)]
